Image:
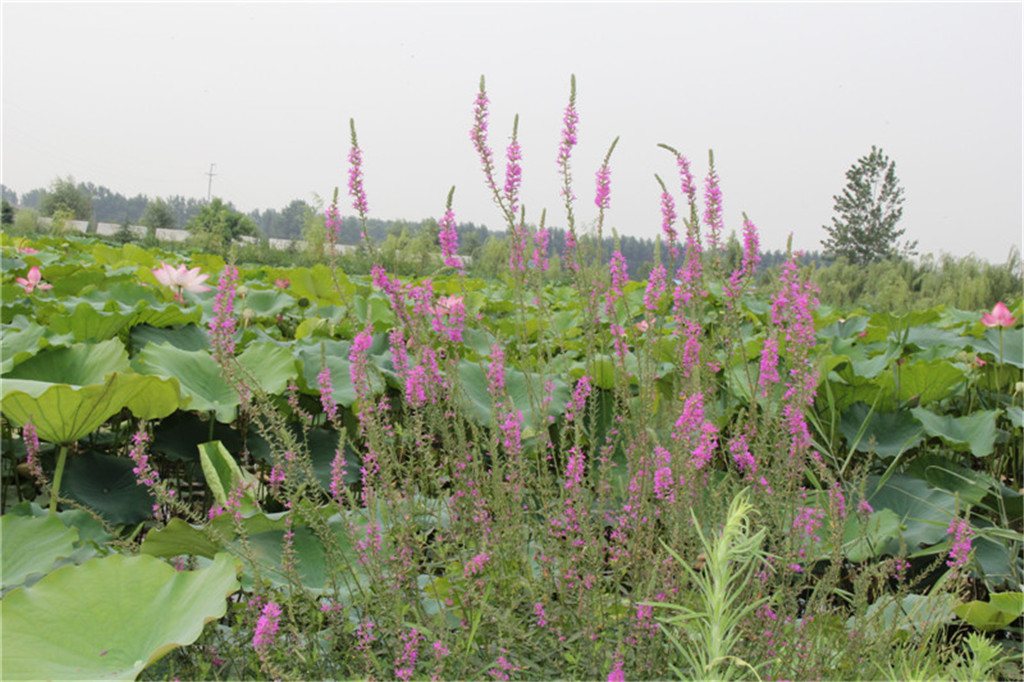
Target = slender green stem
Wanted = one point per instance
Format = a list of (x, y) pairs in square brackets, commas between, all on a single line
[(57, 476)]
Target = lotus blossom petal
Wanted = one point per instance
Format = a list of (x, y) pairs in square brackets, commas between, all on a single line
[(180, 279), (999, 317), (164, 274), (33, 280)]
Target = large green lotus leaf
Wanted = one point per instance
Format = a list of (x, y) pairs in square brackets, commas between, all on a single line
[(931, 380), (314, 283), (310, 557), (179, 538), (23, 339), (224, 476), (268, 303), (187, 337), (93, 322), (843, 329), (323, 444), (90, 529), (128, 293), (1012, 346), (974, 433), (948, 474), (864, 540), (31, 545), (272, 366), (109, 618), (923, 381), (997, 557), (928, 336), (909, 616), (1000, 610), (314, 354), (166, 314), (924, 512), (68, 283), (887, 433), (518, 387), (198, 374), (62, 413), (178, 436), (80, 364), (106, 484)]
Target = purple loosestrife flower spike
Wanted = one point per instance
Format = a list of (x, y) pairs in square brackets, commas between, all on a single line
[(668, 219), (31, 440), (266, 628), (513, 170), (332, 220), (685, 176), (449, 236), (960, 551), (478, 134), (712, 203), (355, 175), (222, 326), (602, 197), (569, 120)]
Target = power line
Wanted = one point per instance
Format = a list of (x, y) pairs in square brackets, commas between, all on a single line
[(209, 185)]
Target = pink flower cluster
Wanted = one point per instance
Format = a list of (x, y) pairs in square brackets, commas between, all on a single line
[(960, 551), (449, 239), (266, 628), (34, 280), (602, 198), (355, 178), (222, 326)]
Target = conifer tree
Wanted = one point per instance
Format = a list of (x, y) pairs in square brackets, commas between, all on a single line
[(864, 227)]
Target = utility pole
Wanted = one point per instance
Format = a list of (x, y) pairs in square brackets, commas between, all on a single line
[(209, 185)]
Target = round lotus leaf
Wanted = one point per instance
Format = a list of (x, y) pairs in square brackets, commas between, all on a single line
[(109, 618)]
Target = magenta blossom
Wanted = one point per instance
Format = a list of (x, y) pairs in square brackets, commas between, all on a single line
[(181, 279), (999, 317), (33, 281)]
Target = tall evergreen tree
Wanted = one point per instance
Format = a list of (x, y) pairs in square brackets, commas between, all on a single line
[(864, 227)]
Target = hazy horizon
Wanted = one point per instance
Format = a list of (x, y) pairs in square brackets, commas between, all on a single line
[(142, 98)]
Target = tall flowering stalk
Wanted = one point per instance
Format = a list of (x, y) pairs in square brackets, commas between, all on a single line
[(222, 326), (712, 203), (31, 440), (602, 195), (686, 184), (748, 268), (449, 236), (513, 169), (355, 175), (478, 134), (332, 221), (266, 629), (569, 122), (792, 314), (668, 219), (355, 185)]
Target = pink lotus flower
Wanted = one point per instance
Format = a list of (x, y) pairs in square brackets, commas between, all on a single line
[(33, 281), (282, 283), (181, 279), (447, 304), (999, 317), (27, 250)]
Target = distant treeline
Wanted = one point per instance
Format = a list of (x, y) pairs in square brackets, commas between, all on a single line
[(291, 222), (410, 248)]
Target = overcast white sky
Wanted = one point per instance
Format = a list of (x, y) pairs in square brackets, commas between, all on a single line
[(143, 97)]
